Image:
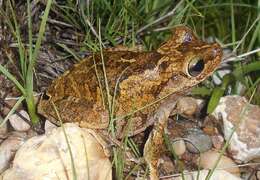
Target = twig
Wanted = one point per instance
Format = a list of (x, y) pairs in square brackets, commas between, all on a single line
[(243, 38), (239, 57), (53, 21)]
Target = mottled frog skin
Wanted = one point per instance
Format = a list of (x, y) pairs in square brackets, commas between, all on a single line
[(135, 80)]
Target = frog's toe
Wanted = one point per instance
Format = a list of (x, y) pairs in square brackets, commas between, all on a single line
[(152, 152)]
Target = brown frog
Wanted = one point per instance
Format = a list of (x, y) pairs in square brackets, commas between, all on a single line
[(137, 87)]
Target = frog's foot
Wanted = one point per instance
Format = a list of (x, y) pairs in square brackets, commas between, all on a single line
[(154, 146), (136, 48)]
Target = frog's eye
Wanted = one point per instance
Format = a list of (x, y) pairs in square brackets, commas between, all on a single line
[(196, 66)]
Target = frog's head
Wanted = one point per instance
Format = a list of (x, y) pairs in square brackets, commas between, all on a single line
[(188, 59)]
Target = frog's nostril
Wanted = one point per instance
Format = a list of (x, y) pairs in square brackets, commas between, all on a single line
[(214, 52)]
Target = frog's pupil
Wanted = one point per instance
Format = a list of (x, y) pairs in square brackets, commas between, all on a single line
[(196, 68)]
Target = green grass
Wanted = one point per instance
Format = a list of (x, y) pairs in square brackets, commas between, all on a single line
[(105, 23), (27, 58)]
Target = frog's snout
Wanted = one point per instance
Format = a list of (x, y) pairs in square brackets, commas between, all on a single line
[(216, 51)]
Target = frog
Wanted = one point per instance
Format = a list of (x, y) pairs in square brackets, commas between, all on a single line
[(128, 88)]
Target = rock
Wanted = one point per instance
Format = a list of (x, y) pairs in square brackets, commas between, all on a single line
[(179, 147), (236, 112), (217, 175), (166, 166), (218, 141), (258, 174), (9, 147), (207, 161), (3, 132), (48, 126), (197, 138), (48, 156), (9, 104), (189, 107), (18, 123)]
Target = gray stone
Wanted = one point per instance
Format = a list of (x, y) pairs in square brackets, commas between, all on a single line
[(198, 141)]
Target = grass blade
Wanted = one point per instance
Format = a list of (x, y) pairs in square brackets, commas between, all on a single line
[(20, 100), (12, 78)]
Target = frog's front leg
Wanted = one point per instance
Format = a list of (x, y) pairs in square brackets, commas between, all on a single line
[(154, 146)]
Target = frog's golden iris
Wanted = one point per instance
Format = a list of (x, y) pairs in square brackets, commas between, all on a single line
[(196, 66)]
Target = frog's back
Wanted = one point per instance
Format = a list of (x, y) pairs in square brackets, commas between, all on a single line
[(80, 94)]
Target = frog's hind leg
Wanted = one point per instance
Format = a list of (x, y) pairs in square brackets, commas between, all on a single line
[(82, 111), (154, 146)]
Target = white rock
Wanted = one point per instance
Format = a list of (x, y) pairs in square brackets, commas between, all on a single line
[(18, 123), (236, 112), (207, 161), (179, 147), (48, 156), (217, 175), (48, 126), (9, 147), (3, 132)]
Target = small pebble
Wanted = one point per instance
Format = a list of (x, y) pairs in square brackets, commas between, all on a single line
[(207, 161), (189, 107), (18, 123), (201, 141), (179, 147), (217, 175), (218, 141)]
